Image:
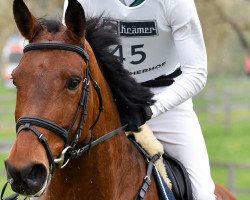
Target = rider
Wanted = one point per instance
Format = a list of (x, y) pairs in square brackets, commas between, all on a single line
[(163, 48)]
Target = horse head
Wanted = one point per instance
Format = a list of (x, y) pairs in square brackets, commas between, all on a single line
[(52, 90), (71, 89)]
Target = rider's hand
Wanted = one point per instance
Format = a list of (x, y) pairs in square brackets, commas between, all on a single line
[(135, 118)]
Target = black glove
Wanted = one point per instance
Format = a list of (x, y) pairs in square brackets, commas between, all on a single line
[(134, 118)]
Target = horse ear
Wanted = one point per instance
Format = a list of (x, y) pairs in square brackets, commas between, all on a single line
[(26, 22), (75, 19)]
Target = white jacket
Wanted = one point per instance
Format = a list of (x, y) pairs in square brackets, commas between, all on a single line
[(157, 37)]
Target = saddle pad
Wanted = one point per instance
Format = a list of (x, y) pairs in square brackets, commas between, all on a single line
[(152, 146)]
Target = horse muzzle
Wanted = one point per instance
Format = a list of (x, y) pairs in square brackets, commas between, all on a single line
[(30, 180)]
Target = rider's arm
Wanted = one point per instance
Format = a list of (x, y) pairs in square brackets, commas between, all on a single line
[(187, 33)]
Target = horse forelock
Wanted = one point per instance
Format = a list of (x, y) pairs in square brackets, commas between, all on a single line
[(51, 25)]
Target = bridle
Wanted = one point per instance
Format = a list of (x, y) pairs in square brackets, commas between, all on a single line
[(69, 151)]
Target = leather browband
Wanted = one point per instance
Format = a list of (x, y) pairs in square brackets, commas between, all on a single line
[(58, 46)]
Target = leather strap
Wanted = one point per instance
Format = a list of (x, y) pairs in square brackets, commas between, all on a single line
[(147, 179), (44, 123), (164, 80), (11, 197), (57, 46), (79, 152), (151, 160), (44, 142)]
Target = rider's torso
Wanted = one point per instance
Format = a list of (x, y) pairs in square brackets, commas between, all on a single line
[(147, 47)]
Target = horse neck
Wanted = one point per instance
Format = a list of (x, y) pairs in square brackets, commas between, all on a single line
[(112, 170), (105, 165)]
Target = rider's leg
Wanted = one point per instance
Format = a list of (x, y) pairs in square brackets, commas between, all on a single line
[(180, 133)]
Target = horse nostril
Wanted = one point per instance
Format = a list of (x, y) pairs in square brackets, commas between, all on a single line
[(28, 180), (34, 176)]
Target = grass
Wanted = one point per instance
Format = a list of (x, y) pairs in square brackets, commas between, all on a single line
[(223, 109), (226, 128), (2, 157), (235, 142), (7, 107), (224, 114), (3, 178), (2, 174)]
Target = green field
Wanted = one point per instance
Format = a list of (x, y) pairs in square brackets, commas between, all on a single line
[(224, 112)]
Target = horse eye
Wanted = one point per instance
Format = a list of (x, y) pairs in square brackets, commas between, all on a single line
[(73, 82)]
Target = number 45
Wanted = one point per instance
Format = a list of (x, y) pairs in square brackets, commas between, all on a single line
[(135, 50)]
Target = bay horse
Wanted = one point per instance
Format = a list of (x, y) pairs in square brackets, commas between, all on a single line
[(70, 90)]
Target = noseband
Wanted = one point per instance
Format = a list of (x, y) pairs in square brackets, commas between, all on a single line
[(69, 151)]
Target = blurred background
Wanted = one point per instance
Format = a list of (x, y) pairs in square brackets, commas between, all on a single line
[(223, 107)]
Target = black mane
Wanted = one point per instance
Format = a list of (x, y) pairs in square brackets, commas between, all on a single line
[(126, 91)]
